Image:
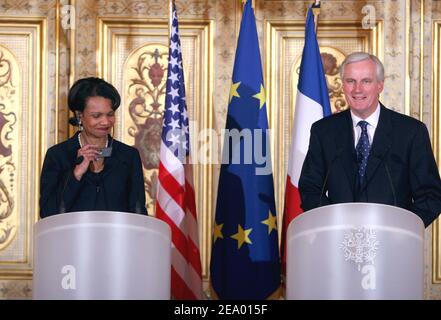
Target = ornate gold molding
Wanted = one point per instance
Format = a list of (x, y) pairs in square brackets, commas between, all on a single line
[(407, 61), (64, 66), (25, 139), (10, 93), (421, 66), (436, 105), (143, 44), (57, 69)]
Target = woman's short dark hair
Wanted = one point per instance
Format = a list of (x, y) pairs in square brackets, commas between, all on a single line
[(85, 88)]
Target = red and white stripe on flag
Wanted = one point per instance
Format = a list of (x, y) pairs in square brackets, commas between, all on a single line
[(307, 112), (312, 104), (175, 202), (176, 206)]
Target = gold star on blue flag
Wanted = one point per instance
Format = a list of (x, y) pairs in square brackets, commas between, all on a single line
[(245, 256)]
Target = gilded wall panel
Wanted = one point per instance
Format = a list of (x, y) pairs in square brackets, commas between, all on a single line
[(22, 104), (396, 93), (226, 14), (429, 12), (10, 96), (284, 45), (12, 9), (416, 59), (62, 65), (436, 89), (133, 56)]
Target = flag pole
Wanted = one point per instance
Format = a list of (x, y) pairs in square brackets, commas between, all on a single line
[(170, 19), (316, 13)]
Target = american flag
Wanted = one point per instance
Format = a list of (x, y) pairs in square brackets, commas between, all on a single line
[(176, 199)]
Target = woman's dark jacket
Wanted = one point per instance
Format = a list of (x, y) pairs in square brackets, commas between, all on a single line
[(118, 187)]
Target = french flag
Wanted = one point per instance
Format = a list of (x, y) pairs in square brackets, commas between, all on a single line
[(312, 104)]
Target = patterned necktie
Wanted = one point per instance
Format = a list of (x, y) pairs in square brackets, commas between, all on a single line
[(362, 150)]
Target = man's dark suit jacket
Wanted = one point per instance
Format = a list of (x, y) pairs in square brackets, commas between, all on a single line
[(118, 187), (401, 168)]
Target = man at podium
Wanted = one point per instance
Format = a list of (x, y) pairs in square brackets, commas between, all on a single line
[(91, 170), (370, 153)]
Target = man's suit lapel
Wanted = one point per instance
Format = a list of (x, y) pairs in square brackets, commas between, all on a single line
[(380, 146), (345, 145)]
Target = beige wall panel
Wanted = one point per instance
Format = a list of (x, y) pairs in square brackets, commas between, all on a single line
[(436, 89), (22, 105)]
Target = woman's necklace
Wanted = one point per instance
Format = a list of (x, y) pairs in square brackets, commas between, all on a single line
[(99, 166), (81, 145)]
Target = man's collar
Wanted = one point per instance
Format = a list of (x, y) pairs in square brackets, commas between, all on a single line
[(372, 119)]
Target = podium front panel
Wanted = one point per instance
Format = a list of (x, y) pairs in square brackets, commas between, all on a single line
[(102, 255), (355, 251)]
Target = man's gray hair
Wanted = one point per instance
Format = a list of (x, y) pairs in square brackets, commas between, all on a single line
[(361, 56)]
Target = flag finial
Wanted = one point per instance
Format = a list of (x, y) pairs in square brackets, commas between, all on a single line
[(316, 13)]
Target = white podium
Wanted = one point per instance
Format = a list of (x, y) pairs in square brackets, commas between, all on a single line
[(101, 255), (355, 251)]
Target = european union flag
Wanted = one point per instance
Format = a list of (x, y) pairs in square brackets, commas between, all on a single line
[(245, 256)]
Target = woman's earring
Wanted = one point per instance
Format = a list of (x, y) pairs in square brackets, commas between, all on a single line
[(80, 124)]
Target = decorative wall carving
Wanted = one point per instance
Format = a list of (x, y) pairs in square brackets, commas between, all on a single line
[(331, 59), (145, 75), (22, 104), (10, 93)]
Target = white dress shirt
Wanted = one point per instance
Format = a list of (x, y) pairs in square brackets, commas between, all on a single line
[(372, 121)]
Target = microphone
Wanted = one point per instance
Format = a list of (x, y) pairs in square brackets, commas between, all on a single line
[(62, 208), (392, 188), (325, 181), (138, 207), (138, 204), (389, 177)]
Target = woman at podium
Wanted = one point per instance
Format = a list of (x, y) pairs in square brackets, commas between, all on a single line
[(91, 171)]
